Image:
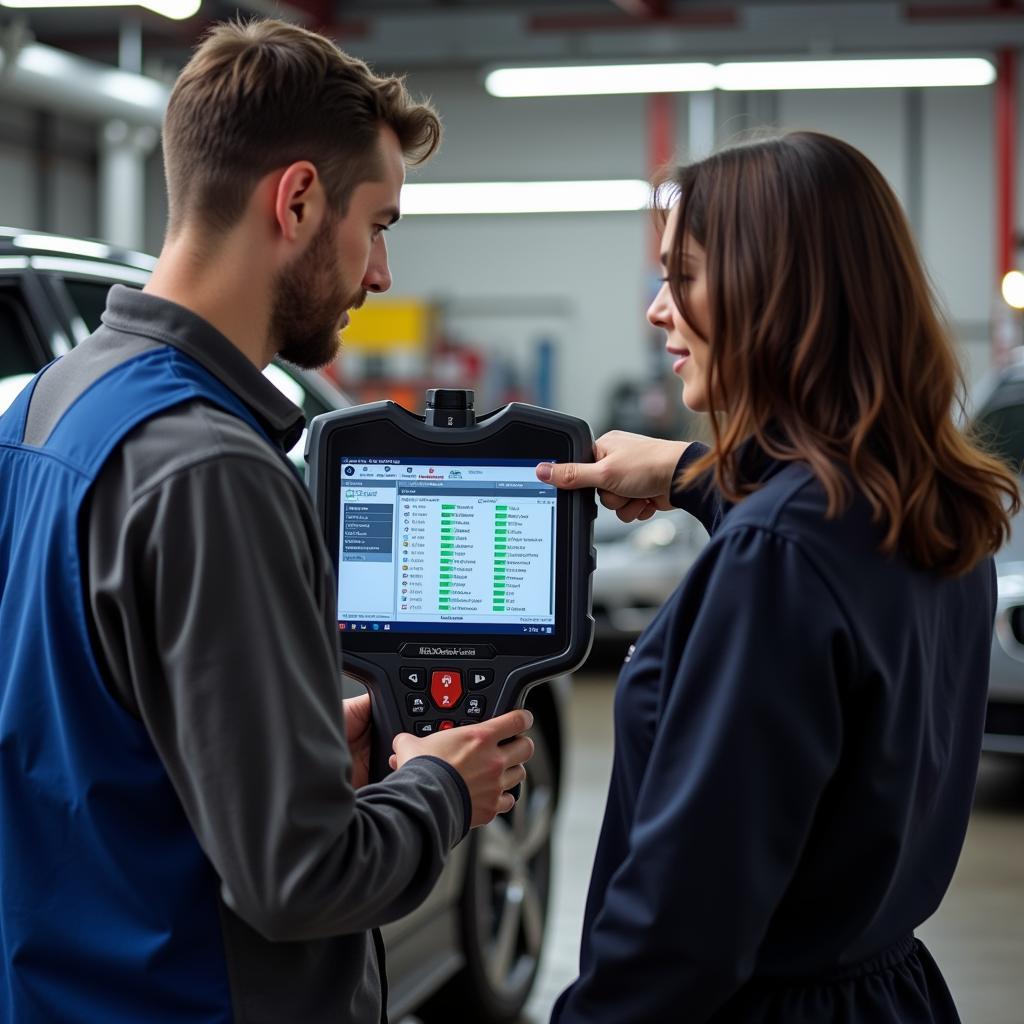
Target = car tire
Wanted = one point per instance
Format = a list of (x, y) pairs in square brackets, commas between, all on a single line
[(504, 906)]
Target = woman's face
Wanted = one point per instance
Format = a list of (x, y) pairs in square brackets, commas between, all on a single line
[(682, 341)]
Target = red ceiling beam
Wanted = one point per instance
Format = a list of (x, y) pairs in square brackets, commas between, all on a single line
[(724, 17), (351, 28), (322, 19), (941, 12), (644, 8)]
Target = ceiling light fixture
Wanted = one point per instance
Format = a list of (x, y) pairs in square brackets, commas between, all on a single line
[(924, 72), (597, 80), (176, 10), (526, 197), (916, 73)]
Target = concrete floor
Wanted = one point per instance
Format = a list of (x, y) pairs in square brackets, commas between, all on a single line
[(977, 936)]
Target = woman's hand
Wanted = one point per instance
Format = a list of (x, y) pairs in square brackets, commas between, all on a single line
[(357, 732), (632, 473)]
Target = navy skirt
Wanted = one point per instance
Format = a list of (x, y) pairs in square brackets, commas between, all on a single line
[(902, 985)]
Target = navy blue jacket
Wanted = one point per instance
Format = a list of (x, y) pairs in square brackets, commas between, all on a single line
[(797, 737)]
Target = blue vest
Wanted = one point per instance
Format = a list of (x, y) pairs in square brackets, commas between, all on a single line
[(108, 906)]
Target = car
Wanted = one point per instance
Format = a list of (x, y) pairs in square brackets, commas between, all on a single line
[(998, 420), (472, 949), (639, 565)]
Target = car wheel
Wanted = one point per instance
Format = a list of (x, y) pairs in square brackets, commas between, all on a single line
[(504, 906)]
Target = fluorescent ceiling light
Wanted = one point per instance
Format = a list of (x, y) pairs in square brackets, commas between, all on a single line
[(177, 10), (783, 76), (594, 80), (747, 76), (526, 197)]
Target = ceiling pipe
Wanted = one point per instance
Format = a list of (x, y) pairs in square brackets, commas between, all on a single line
[(44, 77)]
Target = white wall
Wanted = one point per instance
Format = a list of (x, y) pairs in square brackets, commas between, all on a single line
[(598, 263), (17, 188), (66, 192), (589, 275)]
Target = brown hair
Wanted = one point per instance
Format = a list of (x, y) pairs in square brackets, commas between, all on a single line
[(825, 345), (263, 94)]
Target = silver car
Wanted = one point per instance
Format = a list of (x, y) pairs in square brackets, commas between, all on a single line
[(1000, 423), (639, 565)]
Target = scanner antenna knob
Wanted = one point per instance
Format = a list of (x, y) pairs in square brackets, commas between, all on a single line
[(449, 407)]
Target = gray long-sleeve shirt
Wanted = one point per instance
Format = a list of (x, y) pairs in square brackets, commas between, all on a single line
[(211, 601)]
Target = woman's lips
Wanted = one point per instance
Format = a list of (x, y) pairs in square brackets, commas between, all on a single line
[(682, 357)]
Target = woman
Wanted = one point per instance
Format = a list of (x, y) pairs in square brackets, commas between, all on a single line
[(798, 730)]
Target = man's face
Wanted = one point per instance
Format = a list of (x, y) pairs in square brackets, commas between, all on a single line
[(346, 259)]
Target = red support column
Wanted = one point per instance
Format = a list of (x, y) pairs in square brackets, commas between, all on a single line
[(1006, 162), (661, 142)]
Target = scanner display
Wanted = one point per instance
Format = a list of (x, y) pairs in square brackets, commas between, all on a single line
[(456, 546)]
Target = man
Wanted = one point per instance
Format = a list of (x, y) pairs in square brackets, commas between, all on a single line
[(187, 830)]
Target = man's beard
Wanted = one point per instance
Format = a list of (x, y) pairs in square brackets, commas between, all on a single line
[(308, 303)]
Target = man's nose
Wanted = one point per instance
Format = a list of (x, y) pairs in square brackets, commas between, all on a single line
[(378, 273)]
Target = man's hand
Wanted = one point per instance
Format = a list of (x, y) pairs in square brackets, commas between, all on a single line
[(489, 757), (357, 732), (632, 473)]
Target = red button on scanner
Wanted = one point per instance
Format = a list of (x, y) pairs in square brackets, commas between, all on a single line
[(446, 688), (446, 723)]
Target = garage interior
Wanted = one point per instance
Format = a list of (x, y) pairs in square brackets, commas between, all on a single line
[(547, 307)]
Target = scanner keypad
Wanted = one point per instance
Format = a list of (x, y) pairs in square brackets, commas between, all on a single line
[(447, 690), (413, 677)]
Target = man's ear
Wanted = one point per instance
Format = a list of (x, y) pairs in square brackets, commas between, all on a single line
[(299, 202)]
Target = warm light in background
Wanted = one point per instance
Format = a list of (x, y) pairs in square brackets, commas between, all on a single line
[(1013, 289), (923, 72)]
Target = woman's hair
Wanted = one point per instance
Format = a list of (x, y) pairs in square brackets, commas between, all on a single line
[(825, 345)]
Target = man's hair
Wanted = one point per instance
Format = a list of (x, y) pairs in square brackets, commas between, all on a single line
[(263, 94), (826, 345)]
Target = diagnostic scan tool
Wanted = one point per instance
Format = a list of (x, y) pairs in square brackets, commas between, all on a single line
[(462, 579)]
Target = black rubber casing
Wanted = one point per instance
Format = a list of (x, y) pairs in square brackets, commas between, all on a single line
[(518, 431)]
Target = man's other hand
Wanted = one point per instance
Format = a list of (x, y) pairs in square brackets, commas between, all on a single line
[(489, 756)]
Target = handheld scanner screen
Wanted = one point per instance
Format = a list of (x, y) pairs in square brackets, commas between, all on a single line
[(446, 546)]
